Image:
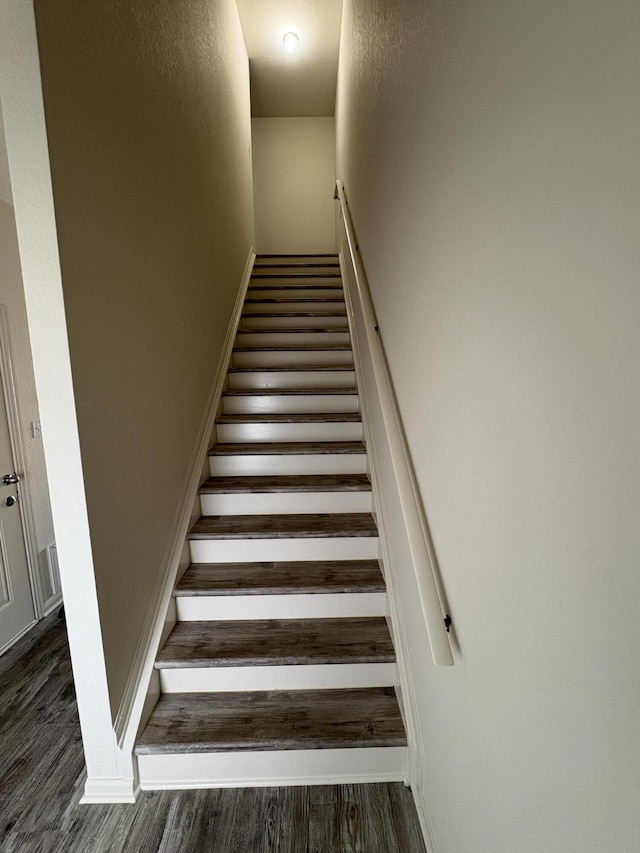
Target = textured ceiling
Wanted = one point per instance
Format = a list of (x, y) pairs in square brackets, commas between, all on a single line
[(303, 84)]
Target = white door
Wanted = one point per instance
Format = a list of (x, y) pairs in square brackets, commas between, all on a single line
[(16, 601)]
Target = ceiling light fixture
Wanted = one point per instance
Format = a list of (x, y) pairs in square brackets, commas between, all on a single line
[(291, 42)]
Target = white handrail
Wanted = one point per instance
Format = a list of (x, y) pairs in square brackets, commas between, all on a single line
[(420, 545)]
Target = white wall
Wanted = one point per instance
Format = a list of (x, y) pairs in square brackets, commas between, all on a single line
[(489, 153), (35, 482), (148, 123), (293, 184)]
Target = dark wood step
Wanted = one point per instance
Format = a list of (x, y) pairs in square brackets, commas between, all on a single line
[(299, 274), (296, 255), (298, 264), (312, 418), (249, 485), (291, 300), (277, 642), (319, 330), (281, 578), (299, 286), (296, 348), (318, 314), (273, 720), (291, 369), (285, 392), (303, 448), (324, 525)]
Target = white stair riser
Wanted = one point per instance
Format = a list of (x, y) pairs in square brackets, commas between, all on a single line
[(293, 379), (289, 432), (198, 608), (309, 268), (292, 339), (290, 404), (224, 679), (269, 321), (285, 503), (296, 358), (291, 291), (305, 463), (294, 307), (267, 550), (282, 767)]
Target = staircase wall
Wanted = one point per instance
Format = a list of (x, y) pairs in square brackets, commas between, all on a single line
[(148, 120), (489, 158), (293, 175)]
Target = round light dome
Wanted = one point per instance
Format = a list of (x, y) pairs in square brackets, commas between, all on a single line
[(291, 42)]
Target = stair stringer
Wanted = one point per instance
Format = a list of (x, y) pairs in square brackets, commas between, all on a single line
[(375, 440), (142, 686)]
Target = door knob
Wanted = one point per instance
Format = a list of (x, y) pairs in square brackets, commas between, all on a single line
[(10, 479)]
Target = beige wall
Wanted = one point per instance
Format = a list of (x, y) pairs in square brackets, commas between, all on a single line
[(149, 133), (12, 297), (5, 179), (490, 157), (294, 177)]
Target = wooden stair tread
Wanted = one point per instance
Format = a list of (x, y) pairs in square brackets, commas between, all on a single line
[(305, 418), (295, 265), (286, 447), (315, 330), (295, 368), (291, 300), (300, 526), (328, 285), (281, 578), (297, 348), (273, 720), (285, 392), (277, 642), (298, 274), (286, 483), (276, 314)]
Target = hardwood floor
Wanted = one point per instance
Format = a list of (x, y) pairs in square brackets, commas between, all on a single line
[(42, 777)]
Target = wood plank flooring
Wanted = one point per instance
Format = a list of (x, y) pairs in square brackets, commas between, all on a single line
[(272, 720), (311, 525), (42, 777), (277, 642), (281, 578), (298, 448), (286, 483)]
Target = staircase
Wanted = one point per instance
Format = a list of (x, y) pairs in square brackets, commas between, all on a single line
[(280, 668)]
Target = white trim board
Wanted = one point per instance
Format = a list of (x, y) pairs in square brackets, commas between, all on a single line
[(129, 713), (276, 768), (109, 791)]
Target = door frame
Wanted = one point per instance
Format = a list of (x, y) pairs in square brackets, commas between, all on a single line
[(17, 452)]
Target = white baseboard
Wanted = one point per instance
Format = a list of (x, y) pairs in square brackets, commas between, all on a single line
[(109, 791), (129, 713)]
